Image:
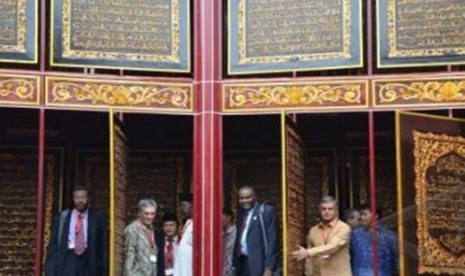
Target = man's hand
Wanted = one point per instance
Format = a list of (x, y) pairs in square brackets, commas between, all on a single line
[(268, 272), (300, 254)]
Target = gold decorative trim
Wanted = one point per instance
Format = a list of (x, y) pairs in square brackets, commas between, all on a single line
[(70, 53), (242, 40), (419, 92), (49, 198), (91, 93), (440, 252), (19, 90), (20, 46), (291, 96), (423, 52)]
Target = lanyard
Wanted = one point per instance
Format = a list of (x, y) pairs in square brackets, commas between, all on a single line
[(326, 233)]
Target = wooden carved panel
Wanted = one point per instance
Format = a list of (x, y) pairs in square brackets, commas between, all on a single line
[(440, 199)]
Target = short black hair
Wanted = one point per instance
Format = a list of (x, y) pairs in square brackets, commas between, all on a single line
[(81, 188), (367, 206), (349, 214), (228, 212), (170, 216)]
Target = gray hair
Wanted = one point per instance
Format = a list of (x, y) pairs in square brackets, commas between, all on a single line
[(147, 202), (329, 199)]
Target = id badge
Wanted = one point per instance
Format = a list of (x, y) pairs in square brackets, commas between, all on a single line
[(169, 272), (153, 258)]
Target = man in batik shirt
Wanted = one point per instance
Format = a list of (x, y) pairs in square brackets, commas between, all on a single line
[(361, 246), (140, 249)]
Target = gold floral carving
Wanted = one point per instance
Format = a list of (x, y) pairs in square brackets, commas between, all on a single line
[(18, 90), (21, 27), (441, 242), (422, 91), (294, 96), (122, 95)]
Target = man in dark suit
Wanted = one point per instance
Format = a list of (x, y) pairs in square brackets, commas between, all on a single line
[(79, 242), (256, 251), (167, 244)]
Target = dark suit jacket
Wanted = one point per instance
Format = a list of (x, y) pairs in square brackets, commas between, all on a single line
[(160, 238), (96, 252), (257, 259)]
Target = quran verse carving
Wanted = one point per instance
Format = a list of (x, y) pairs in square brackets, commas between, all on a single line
[(115, 28), (13, 25), (419, 28), (283, 30), (440, 197)]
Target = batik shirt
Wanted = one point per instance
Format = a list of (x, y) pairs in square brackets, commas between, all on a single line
[(361, 249), (229, 240), (138, 249)]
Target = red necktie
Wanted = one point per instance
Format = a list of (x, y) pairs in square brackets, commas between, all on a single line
[(169, 254), (79, 242)]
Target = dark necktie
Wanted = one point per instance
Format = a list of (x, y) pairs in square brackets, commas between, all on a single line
[(79, 242)]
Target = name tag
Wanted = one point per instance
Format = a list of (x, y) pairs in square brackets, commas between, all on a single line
[(169, 272), (153, 258)]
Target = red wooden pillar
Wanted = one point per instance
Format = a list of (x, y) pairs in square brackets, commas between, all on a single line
[(208, 148)]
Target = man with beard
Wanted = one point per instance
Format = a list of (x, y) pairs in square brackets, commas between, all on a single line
[(79, 242)]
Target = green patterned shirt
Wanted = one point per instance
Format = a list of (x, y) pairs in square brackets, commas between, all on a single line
[(137, 251)]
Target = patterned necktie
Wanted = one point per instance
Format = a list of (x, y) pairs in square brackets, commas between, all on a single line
[(169, 254), (79, 242)]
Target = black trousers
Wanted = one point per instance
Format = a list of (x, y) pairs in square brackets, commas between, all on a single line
[(75, 265), (244, 266)]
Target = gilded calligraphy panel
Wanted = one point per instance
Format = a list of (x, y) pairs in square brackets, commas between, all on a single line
[(420, 33), (102, 94), (151, 35), (19, 90), (439, 182), (304, 95), (419, 92), (18, 31), (295, 220), (286, 35)]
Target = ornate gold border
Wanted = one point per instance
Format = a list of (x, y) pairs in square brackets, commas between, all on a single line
[(392, 41), (119, 94), (69, 53), (346, 11), (242, 40), (392, 34), (315, 95), (428, 147), (19, 89), (175, 37), (431, 91), (21, 30)]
